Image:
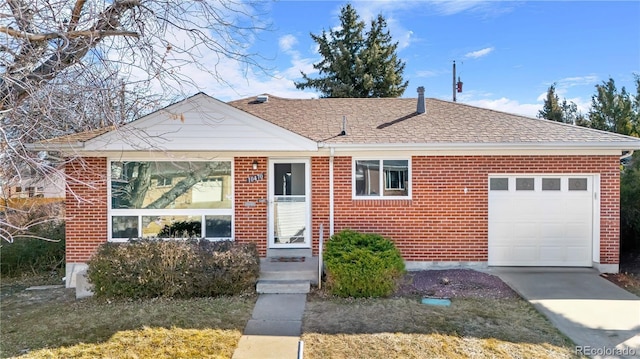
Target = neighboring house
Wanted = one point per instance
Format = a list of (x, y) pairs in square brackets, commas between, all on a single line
[(451, 184), (33, 188)]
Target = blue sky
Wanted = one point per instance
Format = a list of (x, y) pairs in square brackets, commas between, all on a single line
[(507, 52)]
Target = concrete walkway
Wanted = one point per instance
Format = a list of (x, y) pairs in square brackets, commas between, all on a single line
[(274, 328), (602, 319)]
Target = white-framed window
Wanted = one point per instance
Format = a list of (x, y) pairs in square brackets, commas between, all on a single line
[(394, 180), (164, 181), (381, 178), (170, 199)]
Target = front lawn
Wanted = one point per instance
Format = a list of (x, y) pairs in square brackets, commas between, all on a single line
[(485, 320), (51, 323)]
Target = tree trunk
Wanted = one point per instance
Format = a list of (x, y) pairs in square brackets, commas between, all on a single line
[(183, 186)]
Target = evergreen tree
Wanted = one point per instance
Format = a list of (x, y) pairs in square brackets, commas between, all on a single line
[(355, 63), (551, 109), (630, 205), (611, 110), (554, 110), (383, 75)]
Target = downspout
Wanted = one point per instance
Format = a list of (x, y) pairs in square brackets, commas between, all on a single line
[(331, 200)]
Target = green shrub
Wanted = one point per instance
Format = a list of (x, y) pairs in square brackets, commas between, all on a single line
[(30, 256), (181, 229), (173, 268), (362, 265)]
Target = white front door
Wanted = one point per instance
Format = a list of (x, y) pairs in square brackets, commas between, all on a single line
[(289, 205)]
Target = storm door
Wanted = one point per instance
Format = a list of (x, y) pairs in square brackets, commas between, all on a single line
[(289, 209)]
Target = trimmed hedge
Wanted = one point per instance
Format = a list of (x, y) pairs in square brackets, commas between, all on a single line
[(362, 265), (149, 268)]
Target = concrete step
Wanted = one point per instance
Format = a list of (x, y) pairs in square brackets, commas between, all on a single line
[(310, 276), (283, 286), (289, 252), (291, 271)]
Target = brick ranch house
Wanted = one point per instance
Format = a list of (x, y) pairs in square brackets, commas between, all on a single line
[(451, 184)]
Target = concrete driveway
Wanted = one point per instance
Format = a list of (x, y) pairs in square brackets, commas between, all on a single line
[(600, 317)]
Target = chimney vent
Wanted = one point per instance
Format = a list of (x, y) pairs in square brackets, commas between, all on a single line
[(262, 98), (421, 104)]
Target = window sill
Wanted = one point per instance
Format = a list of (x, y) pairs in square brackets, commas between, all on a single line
[(381, 198)]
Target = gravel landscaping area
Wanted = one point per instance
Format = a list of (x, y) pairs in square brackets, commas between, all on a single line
[(454, 283)]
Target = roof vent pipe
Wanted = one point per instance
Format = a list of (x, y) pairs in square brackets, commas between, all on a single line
[(344, 126), (421, 105)]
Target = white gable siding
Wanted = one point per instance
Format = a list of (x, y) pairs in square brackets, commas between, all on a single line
[(200, 123)]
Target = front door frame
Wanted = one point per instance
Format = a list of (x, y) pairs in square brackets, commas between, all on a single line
[(270, 200)]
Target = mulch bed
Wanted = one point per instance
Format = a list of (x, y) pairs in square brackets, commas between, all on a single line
[(629, 276), (454, 283), (630, 263)]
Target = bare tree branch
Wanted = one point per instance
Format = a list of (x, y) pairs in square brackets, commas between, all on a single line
[(75, 15), (69, 66), (66, 35)]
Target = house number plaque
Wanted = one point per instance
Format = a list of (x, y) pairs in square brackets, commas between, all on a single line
[(255, 178)]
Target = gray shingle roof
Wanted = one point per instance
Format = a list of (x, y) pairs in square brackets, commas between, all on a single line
[(395, 121), (74, 138)]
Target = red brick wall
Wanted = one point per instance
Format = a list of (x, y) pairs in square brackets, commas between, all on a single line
[(251, 202), (319, 199), (86, 207), (441, 222)]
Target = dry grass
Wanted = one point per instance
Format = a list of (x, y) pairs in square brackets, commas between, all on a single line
[(403, 327), (153, 343), (52, 319), (432, 346)]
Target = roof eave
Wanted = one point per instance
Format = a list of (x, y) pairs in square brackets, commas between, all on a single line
[(62, 147), (623, 146)]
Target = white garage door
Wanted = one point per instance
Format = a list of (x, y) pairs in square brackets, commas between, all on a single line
[(540, 220)]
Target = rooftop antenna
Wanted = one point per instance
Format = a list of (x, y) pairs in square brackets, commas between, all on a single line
[(457, 86), (454, 80)]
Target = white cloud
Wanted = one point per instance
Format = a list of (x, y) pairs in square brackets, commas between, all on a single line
[(451, 7), (563, 85), (227, 79), (286, 42), (577, 81), (564, 89), (582, 105), (479, 53), (369, 10), (405, 40), (485, 8), (508, 105), (427, 73)]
